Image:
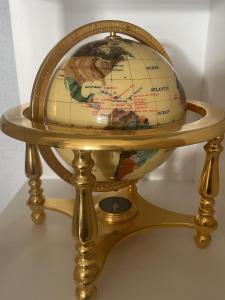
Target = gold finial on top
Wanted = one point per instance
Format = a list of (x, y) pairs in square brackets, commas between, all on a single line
[(113, 35)]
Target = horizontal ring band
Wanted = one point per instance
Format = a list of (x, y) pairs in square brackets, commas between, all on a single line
[(16, 124)]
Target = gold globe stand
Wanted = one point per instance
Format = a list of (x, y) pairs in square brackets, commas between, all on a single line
[(96, 229)]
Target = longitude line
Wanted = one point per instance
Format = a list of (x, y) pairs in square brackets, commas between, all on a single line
[(132, 85), (111, 100)]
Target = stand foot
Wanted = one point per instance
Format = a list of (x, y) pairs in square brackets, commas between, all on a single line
[(94, 243), (38, 217), (86, 272), (86, 294), (203, 240)]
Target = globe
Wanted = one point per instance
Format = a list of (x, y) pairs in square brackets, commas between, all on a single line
[(116, 84)]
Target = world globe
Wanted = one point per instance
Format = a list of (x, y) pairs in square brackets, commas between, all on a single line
[(116, 84)]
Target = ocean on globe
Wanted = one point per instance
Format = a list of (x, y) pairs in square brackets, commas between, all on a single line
[(116, 83)]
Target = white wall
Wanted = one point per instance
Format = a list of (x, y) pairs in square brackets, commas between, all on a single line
[(37, 25), (11, 151), (180, 25), (214, 75)]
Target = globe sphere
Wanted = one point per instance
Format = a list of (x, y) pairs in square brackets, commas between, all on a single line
[(116, 84)]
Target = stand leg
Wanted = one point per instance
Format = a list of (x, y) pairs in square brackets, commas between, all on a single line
[(84, 227), (209, 188), (33, 171)]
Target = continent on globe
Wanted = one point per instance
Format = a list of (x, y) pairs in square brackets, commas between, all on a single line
[(122, 119), (92, 62), (129, 160)]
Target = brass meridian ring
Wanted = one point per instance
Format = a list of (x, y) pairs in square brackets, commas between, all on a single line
[(16, 124)]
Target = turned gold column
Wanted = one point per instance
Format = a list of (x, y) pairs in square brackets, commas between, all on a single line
[(84, 226), (209, 188), (33, 171)]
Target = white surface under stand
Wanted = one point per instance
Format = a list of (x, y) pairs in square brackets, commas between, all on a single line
[(37, 262)]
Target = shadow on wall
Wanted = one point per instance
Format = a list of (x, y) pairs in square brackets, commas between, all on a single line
[(213, 84), (189, 75), (12, 151)]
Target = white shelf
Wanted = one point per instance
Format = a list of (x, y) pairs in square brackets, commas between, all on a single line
[(37, 262)]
